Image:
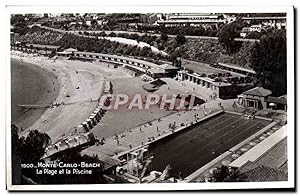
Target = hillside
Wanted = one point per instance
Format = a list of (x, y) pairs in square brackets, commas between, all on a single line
[(40, 36), (211, 51), (205, 50)]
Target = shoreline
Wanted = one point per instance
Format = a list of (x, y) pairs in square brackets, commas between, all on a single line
[(80, 83), (28, 79)]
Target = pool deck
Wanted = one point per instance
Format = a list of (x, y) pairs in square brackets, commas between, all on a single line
[(258, 150), (132, 139)]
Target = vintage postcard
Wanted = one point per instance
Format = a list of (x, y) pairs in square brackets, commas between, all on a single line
[(143, 98)]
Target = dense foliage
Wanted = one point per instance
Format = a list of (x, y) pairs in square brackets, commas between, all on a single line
[(103, 46), (226, 174), (19, 24), (32, 147), (227, 34), (269, 60)]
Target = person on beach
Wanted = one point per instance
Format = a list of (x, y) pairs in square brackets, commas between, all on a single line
[(116, 137)]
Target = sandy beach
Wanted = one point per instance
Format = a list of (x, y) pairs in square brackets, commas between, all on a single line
[(25, 89), (80, 84)]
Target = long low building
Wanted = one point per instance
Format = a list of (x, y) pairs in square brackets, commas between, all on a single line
[(235, 69), (36, 48), (152, 69), (140, 66), (182, 22)]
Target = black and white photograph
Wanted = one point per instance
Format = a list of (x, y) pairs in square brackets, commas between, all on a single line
[(150, 98)]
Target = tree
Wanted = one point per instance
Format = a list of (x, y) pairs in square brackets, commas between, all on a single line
[(227, 34), (19, 25), (227, 174), (112, 34), (164, 37), (145, 51), (269, 60), (254, 35), (27, 150), (94, 22), (180, 39), (32, 148)]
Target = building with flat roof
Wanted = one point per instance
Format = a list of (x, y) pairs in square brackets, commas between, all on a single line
[(148, 18), (218, 85), (278, 22), (253, 28), (235, 69), (190, 19)]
